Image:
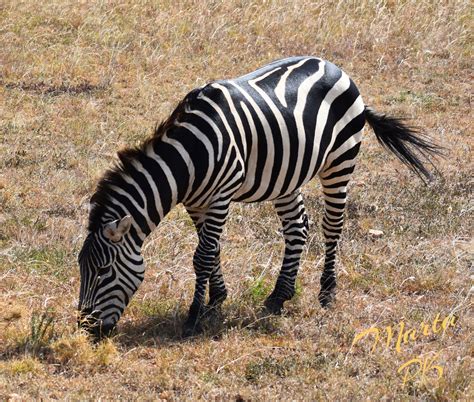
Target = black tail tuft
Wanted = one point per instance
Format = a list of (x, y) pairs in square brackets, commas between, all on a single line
[(406, 142)]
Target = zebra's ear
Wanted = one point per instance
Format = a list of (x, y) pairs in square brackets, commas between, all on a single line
[(114, 231)]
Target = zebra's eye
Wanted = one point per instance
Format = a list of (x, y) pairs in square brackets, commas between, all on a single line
[(104, 270)]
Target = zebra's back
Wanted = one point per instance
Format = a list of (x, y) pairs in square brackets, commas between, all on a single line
[(282, 119)]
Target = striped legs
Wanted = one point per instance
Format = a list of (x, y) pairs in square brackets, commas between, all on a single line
[(206, 261), (217, 290), (292, 214), (335, 194)]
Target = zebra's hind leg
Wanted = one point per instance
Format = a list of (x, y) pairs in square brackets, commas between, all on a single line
[(217, 289), (291, 212), (334, 184), (209, 226)]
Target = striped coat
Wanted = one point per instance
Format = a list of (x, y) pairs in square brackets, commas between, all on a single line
[(259, 137)]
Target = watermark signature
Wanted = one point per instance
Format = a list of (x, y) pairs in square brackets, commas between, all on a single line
[(422, 367)]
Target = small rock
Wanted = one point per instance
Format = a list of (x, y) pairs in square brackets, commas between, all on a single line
[(375, 233)]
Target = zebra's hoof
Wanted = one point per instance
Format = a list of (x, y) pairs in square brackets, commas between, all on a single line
[(212, 311), (274, 306), (191, 329), (327, 299)]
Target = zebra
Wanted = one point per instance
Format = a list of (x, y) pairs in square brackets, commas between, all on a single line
[(258, 137)]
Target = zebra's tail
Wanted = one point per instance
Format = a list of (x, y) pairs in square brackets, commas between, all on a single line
[(406, 142)]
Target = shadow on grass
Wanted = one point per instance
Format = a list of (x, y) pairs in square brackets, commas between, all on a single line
[(43, 88), (165, 328)]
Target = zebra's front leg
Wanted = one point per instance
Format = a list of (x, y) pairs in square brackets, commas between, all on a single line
[(206, 263), (203, 261), (217, 289), (294, 220)]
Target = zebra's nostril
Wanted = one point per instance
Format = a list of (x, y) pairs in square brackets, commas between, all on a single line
[(106, 329)]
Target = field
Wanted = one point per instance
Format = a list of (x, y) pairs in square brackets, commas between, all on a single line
[(80, 80)]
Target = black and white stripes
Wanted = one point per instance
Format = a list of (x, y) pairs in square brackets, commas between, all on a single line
[(254, 138)]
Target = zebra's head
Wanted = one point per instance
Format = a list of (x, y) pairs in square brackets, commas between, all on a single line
[(111, 270)]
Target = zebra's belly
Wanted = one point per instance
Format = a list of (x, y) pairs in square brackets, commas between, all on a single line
[(256, 198)]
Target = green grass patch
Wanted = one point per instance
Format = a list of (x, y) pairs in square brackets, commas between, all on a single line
[(49, 261), (258, 290), (425, 100)]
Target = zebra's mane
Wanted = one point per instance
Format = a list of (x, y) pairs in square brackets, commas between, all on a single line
[(114, 176), (168, 123)]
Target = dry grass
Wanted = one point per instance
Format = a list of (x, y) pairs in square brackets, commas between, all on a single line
[(78, 81)]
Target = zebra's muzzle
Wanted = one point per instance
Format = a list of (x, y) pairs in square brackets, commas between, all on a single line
[(90, 322)]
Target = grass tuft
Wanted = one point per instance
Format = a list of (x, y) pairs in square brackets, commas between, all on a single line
[(41, 331), (24, 366), (76, 350)]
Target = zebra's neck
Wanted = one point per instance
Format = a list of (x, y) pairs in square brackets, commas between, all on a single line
[(148, 182)]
